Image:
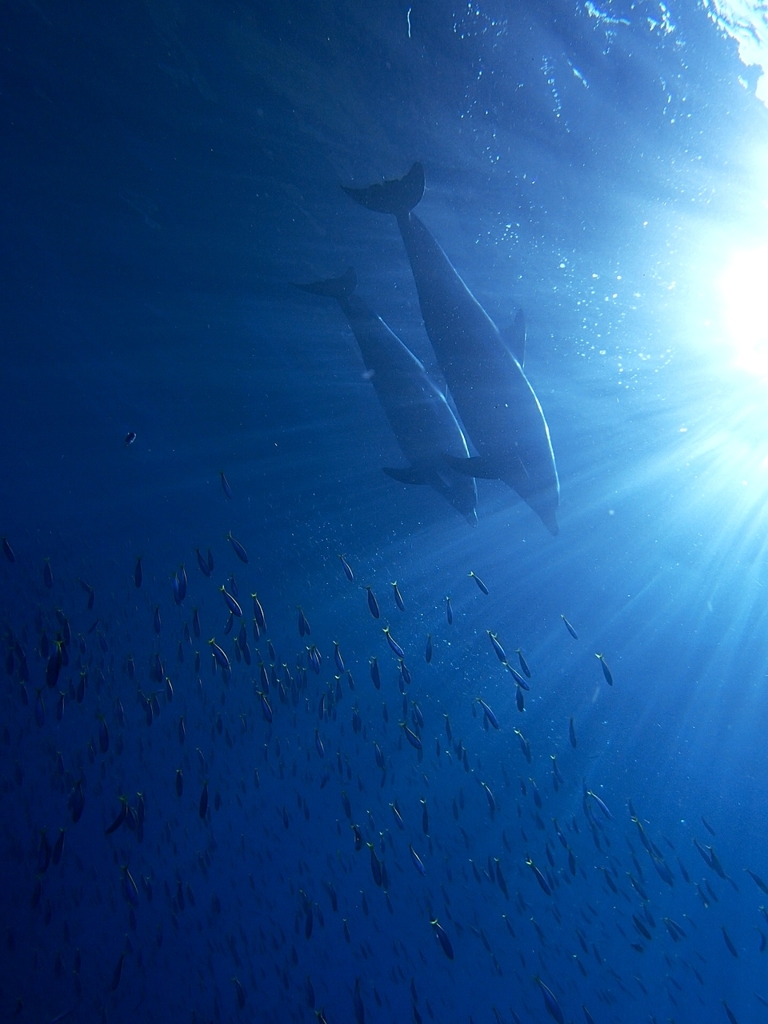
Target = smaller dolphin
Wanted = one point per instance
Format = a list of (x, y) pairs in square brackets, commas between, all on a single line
[(426, 429)]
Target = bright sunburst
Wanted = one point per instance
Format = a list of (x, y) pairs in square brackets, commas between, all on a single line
[(744, 292)]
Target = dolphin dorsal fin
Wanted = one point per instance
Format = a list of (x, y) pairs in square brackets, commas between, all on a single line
[(514, 337)]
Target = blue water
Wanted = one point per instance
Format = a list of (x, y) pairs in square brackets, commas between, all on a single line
[(168, 171)]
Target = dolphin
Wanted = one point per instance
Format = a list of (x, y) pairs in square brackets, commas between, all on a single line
[(497, 405), (424, 424)]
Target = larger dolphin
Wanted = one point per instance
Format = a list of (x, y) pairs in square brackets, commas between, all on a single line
[(494, 398), (424, 424)]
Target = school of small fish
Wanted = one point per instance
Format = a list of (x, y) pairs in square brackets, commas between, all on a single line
[(291, 820)]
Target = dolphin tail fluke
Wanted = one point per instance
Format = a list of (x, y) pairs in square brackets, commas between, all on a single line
[(397, 197), (334, 287), (410, 475)]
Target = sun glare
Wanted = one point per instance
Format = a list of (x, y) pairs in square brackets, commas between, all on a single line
[(744, 293)]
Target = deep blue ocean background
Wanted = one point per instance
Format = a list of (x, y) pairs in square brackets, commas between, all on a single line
[(167, 172)]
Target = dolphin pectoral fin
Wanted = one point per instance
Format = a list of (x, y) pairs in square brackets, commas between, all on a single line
[(397, 197), (550, 521), (409, 475), (442, 475), (334, 287), (472, 466), (511, 468), (514, 337)]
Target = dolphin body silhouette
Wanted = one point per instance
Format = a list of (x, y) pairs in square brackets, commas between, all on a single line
[(496, 403), (426, 429)]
